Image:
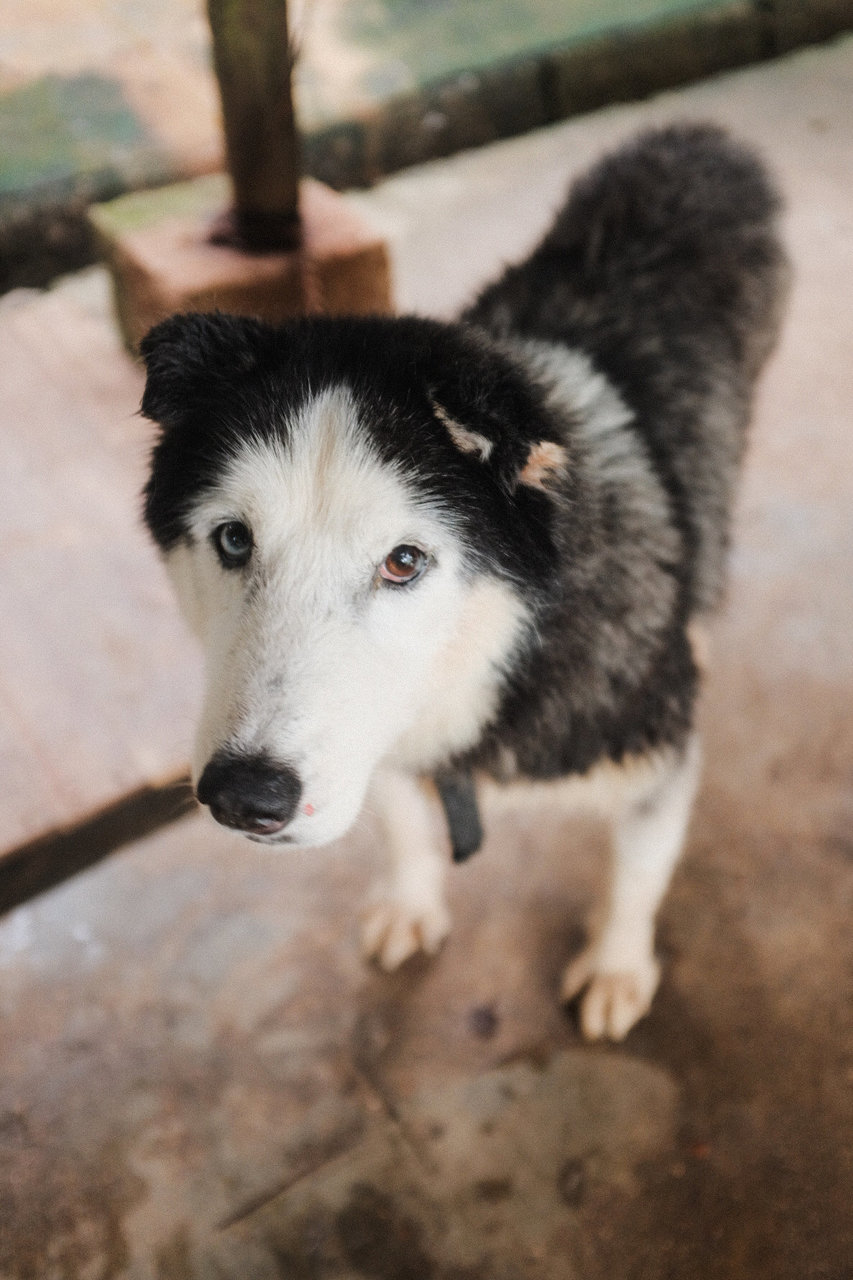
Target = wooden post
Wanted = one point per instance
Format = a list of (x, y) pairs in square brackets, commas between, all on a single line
[(261, 258), (253, 63)]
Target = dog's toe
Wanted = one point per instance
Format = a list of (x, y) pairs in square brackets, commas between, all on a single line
[(393, 931), (612, 1002), (577, 974)]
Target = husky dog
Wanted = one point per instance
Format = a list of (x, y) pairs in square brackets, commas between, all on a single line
[(428, 558)]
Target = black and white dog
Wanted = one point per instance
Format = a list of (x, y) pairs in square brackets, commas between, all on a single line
[(426, 559)]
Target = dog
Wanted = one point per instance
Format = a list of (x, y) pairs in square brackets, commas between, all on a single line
[(425, 559)]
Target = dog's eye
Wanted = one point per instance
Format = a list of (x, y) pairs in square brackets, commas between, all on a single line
[(403, 565), (233, 542)]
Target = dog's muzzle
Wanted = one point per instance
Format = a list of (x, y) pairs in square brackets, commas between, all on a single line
[(253, 794)]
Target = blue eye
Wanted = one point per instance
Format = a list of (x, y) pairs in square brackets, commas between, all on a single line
[(233, 543)]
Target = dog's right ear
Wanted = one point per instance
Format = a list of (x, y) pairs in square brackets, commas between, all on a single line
[(189, 358)]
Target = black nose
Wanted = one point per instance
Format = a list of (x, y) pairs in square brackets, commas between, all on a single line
[(250, 793)]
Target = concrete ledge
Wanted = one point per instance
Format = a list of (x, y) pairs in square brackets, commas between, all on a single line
[(478, 107), (161, 260), (50, 859), (799, 22), (624, 67), (42, 238), (44, 232)]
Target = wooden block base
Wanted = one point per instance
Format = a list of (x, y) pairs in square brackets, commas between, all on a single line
[(157, 248)]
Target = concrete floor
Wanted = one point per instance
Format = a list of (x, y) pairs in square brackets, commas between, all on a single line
[(198, 1078)]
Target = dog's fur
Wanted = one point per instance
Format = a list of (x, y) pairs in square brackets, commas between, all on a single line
[(564, 458)]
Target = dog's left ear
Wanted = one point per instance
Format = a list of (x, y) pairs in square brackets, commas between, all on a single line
[(492, 415), (544, 462), (190, 357)]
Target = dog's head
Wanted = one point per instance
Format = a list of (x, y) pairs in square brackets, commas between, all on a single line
[(355, 516)]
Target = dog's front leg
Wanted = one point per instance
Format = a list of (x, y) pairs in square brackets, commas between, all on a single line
[(407, 912), (618, 968)]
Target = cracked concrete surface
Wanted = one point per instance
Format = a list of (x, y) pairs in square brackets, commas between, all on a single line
[(198, 1078)]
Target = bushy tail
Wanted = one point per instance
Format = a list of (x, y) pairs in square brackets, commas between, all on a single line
[(665, 193), (685, 205)]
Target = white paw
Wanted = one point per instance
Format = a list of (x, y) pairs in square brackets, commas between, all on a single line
[(613, 1000), (393, 929)]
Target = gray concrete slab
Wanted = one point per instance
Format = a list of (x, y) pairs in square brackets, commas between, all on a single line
[(199, 1079)]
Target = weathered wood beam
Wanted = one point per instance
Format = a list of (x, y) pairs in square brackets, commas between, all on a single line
[(253, 62)]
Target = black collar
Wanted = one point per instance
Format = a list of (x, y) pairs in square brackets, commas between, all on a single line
[(459, 798)]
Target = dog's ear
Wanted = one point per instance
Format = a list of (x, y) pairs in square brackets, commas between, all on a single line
[(492, 415), (190, 357), (537, 463), (546, 462)]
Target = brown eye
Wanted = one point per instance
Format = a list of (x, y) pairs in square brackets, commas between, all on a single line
[(403, 565)]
